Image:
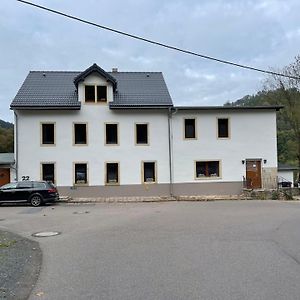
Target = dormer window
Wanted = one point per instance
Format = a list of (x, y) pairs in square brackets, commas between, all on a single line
[(95, 93)]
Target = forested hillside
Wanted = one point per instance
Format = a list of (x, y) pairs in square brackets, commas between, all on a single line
[(6, 137), (287, 140)]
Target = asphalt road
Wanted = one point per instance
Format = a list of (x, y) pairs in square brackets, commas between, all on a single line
[(179, 250)]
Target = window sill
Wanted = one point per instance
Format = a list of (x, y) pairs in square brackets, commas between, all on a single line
[(208, 178), (80, 184), (112, 183)]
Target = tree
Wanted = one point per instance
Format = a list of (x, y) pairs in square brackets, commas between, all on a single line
[(288, 92)]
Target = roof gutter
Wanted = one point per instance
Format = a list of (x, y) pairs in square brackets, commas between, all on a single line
[(276, 107)]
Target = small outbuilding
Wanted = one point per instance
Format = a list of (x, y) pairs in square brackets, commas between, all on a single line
[(286, 175), (7, 168)]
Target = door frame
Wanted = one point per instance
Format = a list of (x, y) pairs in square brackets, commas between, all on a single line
[(249, 184), (8, 169)]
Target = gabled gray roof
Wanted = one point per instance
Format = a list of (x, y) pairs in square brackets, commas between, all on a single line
[(57, 90), (47, 90), (140, 89), (6, 158)]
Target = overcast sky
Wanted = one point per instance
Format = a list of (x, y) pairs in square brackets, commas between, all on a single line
[(263, 34)]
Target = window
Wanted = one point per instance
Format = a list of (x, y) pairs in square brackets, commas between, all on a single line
[(189, 128), (39, 185), (223, 128), (149, 172), (48, 172), (9, 186), (141, 134), (112, 173), (89, 93), (111, 134), (48, 135), (24, 185), (80, 134), (80, 173), (95, 93), (101, 93), (207, 169)]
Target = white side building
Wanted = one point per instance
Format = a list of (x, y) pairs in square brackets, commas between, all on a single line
[(97, 133)]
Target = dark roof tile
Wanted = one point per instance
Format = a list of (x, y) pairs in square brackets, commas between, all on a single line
[(56, 90)]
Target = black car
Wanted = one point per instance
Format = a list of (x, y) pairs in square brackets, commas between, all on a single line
[(34, 192)]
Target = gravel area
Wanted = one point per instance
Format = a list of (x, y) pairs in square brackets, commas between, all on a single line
[(20, 261)]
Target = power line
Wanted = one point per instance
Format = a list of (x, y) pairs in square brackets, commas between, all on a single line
[(157, 43)]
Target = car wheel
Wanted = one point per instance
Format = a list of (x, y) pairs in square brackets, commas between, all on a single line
[(36, 200)]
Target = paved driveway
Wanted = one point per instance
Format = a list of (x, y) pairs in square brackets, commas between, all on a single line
[(179, 250)]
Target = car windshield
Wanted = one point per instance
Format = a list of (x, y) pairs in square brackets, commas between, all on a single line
[(9, 186)]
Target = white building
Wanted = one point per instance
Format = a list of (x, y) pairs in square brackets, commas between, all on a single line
[(97, 133)]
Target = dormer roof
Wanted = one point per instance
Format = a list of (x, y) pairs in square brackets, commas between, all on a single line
[(95, 69)]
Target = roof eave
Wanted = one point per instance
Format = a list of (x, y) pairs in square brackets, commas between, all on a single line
[(37, 107), (164, 106), (276, 107), (95, 68)]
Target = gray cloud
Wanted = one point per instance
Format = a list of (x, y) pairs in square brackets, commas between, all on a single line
[(260, 33)]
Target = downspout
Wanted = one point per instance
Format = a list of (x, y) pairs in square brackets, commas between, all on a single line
[(16, 146), (170, 139)]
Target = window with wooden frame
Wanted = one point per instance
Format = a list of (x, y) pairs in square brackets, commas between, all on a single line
[(141, 134), (190, 128), (80, 133), (95, 93), (112, 173), (207, 169), (111, 134), (149, 172), (48, 134), (48, 172), (223, 128), (80, 173)]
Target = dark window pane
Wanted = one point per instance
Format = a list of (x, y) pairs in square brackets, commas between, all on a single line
[(213, 168), (101, 93), (89, 93), (207, 169), (111, 134), (141, 133), (48, 172), (189, 128), (149, 172), (80, 173), (39, 185), (80, 133), (200, 169), (223, 130), (48, 134), (24, 185), (112, 173)]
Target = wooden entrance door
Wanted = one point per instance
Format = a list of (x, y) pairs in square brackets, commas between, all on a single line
[(4, 176), (253, 174)]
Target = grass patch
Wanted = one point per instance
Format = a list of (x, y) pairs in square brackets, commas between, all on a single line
[(7, 244)]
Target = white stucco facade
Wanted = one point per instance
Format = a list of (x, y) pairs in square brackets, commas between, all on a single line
[(252, 135)]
